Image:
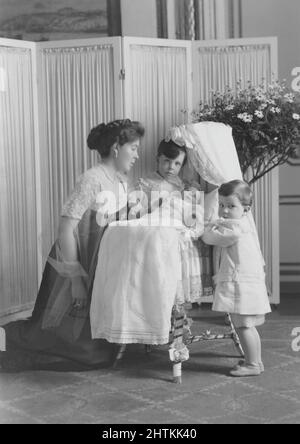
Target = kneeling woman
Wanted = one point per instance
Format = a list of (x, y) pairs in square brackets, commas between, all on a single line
[(60, 324)]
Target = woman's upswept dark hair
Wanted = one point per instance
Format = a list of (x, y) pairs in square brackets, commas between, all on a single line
[(171, 150), (104, 136), (238, 188)]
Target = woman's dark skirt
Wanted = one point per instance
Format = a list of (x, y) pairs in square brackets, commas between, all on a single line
[(29, 345)]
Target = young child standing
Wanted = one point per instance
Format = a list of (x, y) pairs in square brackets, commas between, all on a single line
[(240, 276)]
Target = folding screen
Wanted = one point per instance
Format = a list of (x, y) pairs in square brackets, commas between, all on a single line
[(79, 88), (53, 93), (217, 64), (158, 90), (19, 202)]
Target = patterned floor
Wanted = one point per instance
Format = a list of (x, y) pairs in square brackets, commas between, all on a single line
[(141, 391)]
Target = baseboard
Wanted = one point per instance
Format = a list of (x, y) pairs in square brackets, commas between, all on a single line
[(6, 319), (290, 288), (22, 315)]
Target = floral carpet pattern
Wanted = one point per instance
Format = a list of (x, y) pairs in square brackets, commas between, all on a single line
[(141, 391)]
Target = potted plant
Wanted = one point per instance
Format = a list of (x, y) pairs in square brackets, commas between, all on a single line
[(265, 122)]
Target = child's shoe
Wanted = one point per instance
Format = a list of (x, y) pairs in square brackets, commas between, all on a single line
[(246, 371), (242, 364)]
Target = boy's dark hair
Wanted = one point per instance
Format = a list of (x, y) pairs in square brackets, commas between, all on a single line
[(238, 188), (171, 150)]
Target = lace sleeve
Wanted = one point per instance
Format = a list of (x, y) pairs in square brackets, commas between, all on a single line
[(83, 196)]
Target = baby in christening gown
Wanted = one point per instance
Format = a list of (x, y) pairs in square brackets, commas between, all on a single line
[(171, 202), (152, 259)]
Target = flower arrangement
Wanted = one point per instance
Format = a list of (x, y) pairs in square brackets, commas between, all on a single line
[(265, 122)]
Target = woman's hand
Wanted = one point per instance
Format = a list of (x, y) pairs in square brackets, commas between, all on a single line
[(154, 205), (79, 294)]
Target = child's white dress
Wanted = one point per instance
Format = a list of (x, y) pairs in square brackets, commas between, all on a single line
[(240, 276), (143, 270)]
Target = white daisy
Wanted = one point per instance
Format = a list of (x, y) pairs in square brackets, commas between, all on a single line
[(260, 97), (289, 97), (259, 114), (245, 117)]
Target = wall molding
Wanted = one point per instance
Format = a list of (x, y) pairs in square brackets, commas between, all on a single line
[(181, 19), (114, 17), (214, 19), (293, 163), (290, 264), (289, 270), (235, 19), (162, 19), (289, 200)]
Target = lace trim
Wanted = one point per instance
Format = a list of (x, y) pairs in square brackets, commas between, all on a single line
[(84, 195)]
